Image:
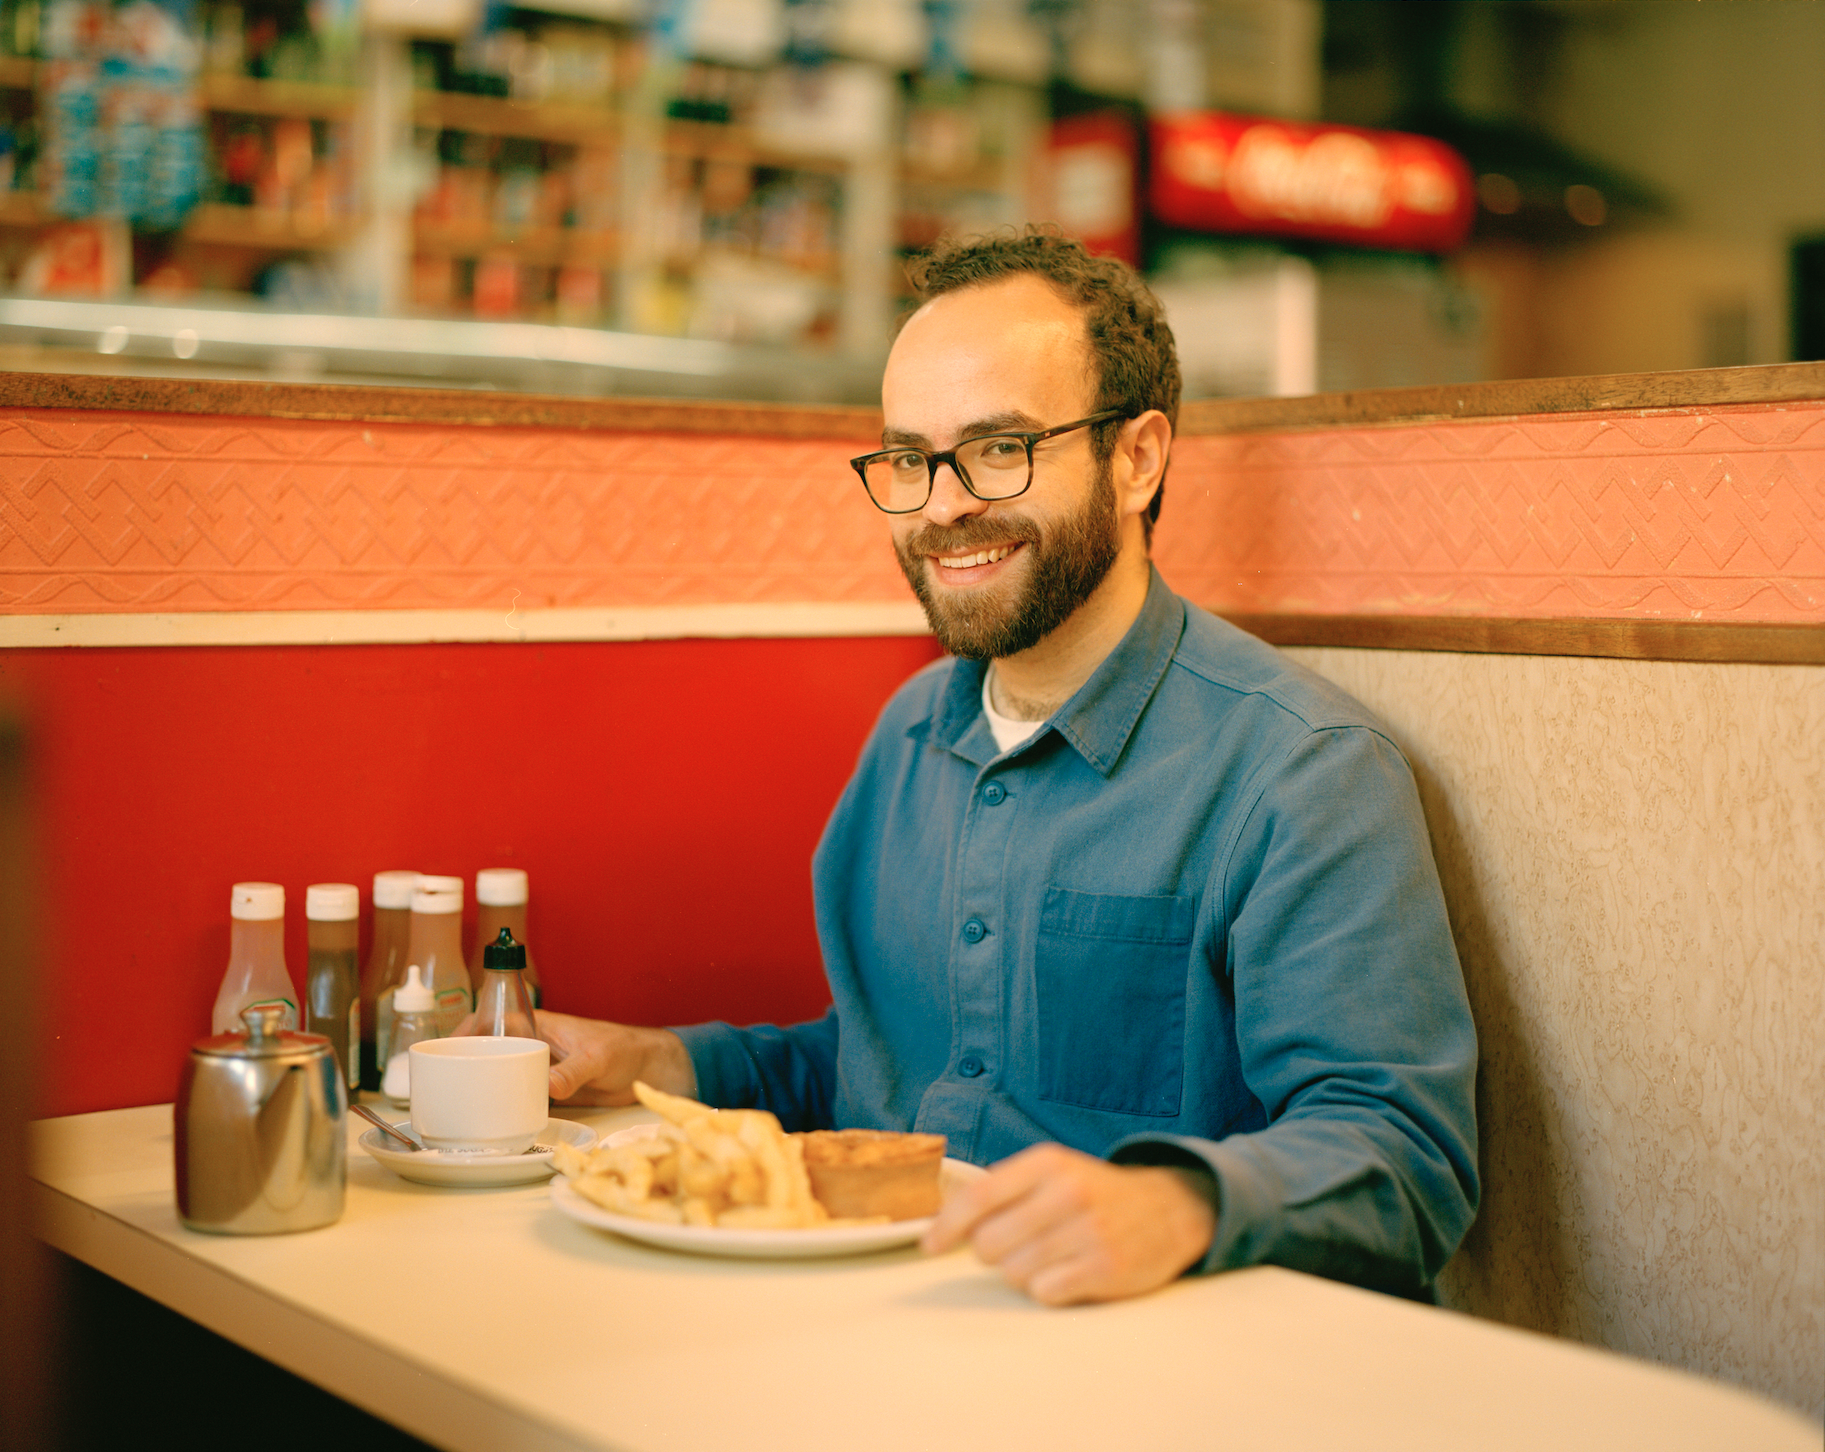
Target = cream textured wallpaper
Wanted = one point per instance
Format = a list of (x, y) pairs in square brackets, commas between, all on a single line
[(1634, 854)]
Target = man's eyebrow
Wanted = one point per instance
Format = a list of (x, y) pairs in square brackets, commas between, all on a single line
[(1013, 421)]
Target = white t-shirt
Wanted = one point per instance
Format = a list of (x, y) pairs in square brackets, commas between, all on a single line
[(1009, 733)]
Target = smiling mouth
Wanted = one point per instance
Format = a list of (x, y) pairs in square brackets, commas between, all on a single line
[(980, 557)]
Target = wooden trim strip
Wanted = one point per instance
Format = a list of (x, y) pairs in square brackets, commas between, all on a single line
[(1702, 388), (355, 403), (417, 627), (1510, 398), (1688, 640)]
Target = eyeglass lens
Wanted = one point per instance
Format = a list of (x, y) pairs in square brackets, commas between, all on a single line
[(996, 467)]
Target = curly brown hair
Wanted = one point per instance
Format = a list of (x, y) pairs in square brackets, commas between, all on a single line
[(1138, 366)]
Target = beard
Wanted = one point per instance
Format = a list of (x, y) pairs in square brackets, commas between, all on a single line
[(1063, 570)]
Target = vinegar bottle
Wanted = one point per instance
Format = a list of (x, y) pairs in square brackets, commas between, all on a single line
[(256, 959), (500, 902), (332, 987), (503, 1007), (437, 948), (386, 968)]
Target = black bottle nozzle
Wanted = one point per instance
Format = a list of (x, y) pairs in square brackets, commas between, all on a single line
[(504, 952)]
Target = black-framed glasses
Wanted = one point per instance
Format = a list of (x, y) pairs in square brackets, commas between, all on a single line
[(991, 467)]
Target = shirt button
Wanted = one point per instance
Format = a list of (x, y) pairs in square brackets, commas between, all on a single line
[(969, 1067), (974, 931), (994, 794)]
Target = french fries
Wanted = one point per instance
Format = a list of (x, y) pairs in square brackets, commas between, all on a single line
[(731, 1168)]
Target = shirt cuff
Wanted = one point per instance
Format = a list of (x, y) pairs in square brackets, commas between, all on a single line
[(1247, 1209), (725, 1069)]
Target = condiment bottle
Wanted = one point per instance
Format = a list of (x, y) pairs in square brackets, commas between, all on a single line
[(256, 959), (414, 1022), (500, 902), (386, 968), (437, 948), (332, 985), (503, 1006)]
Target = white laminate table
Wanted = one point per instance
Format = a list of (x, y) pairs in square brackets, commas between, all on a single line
[(485, 1319)]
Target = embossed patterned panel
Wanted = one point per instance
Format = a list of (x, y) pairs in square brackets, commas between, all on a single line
[(1715, 514), (106, 512)]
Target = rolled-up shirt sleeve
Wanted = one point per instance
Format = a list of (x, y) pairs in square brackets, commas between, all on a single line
[(1353, 1029)]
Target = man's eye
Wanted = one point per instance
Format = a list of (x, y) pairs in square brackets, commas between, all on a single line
[(1002, 451), (913, 463)]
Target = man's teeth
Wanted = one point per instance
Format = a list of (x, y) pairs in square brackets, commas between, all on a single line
[(981, 557)]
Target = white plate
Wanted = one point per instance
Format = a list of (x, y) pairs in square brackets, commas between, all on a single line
[(754, 1244), (445, 1167)]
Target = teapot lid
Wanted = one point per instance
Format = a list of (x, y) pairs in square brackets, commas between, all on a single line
[(264, 1038)]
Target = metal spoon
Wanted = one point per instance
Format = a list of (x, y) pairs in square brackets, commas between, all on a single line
[(385, 1128)]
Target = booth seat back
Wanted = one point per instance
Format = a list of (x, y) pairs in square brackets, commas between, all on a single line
[(1634, 857)]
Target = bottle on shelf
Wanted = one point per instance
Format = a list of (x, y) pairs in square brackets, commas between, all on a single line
[(332, 982), (500, 902), (256, 959), (436, 946), (414, 1022), (503, 1007), (386, 968)]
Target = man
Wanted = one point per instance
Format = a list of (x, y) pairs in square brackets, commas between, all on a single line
[(1124, 903)]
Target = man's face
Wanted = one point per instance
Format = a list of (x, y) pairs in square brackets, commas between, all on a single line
[(996, 578)]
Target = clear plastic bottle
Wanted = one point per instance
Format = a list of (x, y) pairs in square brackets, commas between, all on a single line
[(386, 968), (503, 1006), (500, 902), (332, 985), (256, 959), (437, 948), (414, 1022)]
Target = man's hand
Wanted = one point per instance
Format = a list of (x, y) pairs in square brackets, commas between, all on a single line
[(1065, 1227), (593, 1062)]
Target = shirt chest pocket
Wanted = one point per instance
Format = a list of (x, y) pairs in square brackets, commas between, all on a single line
[(1110, 979)]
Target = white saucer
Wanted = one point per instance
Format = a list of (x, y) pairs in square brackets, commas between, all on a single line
[(446, 1167), (814, 1243)]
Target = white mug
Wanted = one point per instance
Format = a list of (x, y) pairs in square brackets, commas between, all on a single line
[(480, 1095)]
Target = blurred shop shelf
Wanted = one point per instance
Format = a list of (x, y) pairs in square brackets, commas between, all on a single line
[(712, 141), (551, 246), (22, 209), (227, 225), (248, 96), (494, 116)]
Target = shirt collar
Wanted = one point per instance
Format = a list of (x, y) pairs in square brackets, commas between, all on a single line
[(1099, 719)]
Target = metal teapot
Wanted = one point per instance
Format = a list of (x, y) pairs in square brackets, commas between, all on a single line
[(260, 1126)]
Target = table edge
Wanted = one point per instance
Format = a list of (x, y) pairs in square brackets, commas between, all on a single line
[(413, 1397)]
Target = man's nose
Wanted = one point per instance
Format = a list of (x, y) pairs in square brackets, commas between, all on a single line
[(950, 501)]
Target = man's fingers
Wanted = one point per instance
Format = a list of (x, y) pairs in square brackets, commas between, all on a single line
[(571, 1074), (1004, 1184)]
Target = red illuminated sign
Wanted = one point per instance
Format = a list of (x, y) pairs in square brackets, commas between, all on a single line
[(1213, 172), (1093, 161)]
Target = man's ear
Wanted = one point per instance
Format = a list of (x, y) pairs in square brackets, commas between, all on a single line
[(1141, 451)]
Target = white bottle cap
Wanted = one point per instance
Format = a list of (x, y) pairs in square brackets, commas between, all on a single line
[(412, 996), (332, 902), (394, 889), (500, 887), (438, 895), (257, 902)]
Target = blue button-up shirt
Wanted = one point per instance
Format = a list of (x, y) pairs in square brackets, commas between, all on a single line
[(1192, 920)]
